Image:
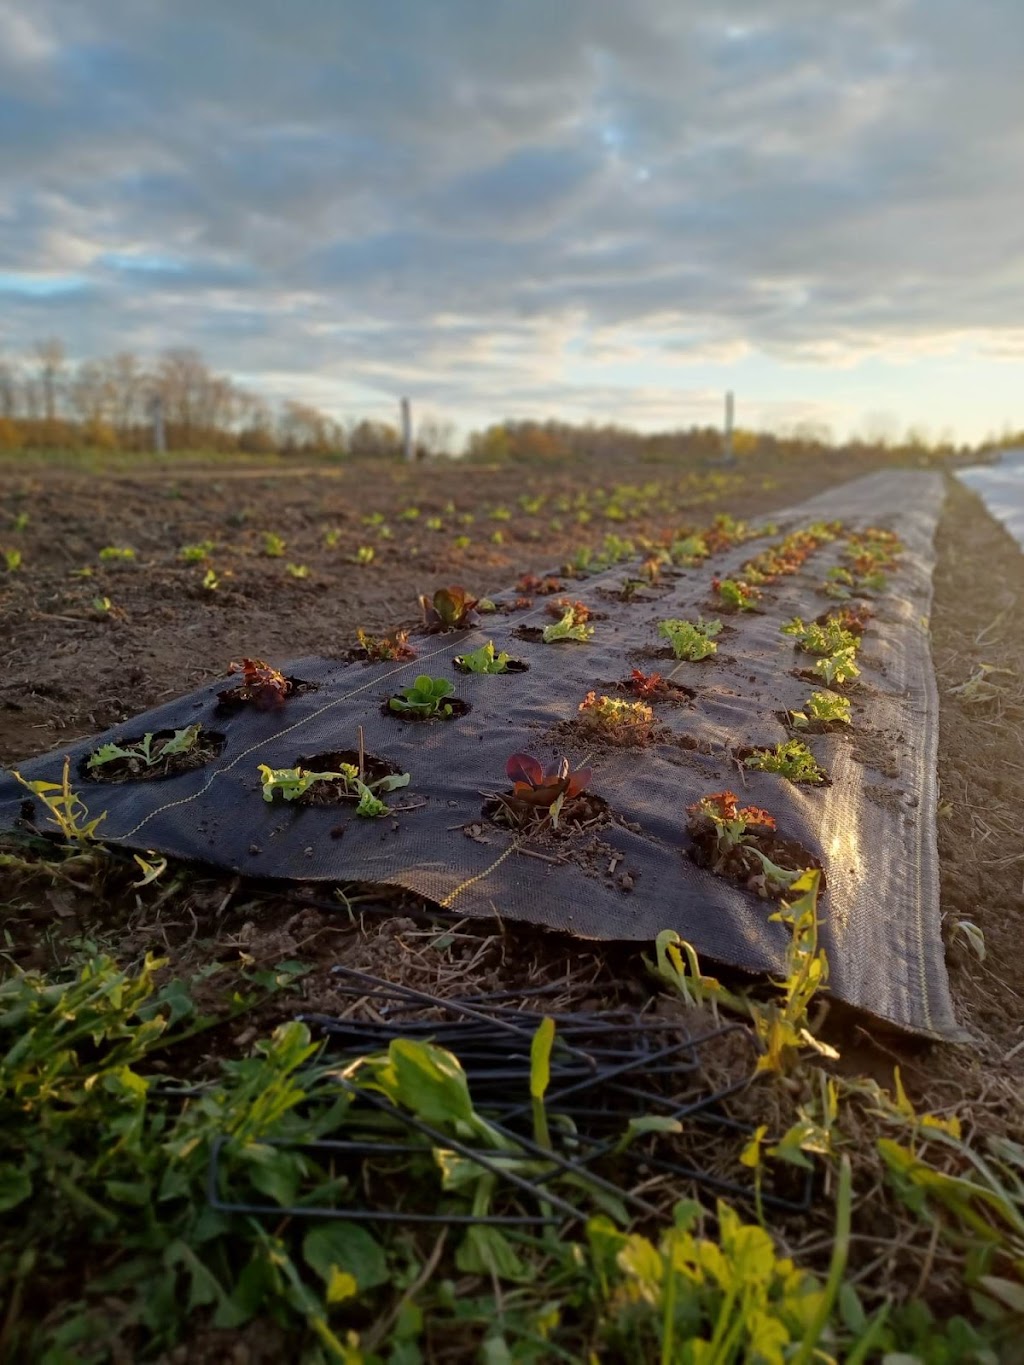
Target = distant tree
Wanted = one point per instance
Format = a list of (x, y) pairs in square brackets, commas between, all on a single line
[(373, 440), (50, 357)]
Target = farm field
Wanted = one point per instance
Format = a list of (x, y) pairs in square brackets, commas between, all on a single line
[(126, 589)]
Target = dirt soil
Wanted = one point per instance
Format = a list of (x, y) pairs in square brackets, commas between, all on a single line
[(72, 669), (75, 665)]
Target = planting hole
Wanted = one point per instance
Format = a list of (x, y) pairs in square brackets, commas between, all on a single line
[(159, 753), (337, 792)]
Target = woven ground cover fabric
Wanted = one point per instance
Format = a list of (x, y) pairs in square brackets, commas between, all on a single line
[(872, 828)]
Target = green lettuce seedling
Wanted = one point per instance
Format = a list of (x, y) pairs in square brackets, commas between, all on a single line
[(568, 628), (839, 667), (736, 594), (823, 708), (791, 759), (689, 641), (292, 783), (689, 551), (818, 638), (181, 742), (425, 697), (484, 660)]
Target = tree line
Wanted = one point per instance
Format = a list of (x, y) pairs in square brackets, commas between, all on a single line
[(48, 402), (111, 403)]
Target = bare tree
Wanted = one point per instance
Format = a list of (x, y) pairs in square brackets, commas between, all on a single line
[(50, 356)]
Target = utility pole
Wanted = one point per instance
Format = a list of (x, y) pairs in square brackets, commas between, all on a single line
[(407, 429), (156, 410), (727, 454)]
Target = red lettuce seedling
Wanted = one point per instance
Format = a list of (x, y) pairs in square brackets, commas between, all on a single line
[(261, 685), (539, 587), (721, 814), (449, 609), (580, 611), (643, 684), (385, 648), (549, 787)]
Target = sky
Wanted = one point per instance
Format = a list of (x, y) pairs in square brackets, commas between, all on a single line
[(582, 209)]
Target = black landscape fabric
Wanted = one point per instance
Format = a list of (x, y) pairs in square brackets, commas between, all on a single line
[(872, 827)]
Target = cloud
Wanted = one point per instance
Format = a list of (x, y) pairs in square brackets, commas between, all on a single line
[(589, 188)]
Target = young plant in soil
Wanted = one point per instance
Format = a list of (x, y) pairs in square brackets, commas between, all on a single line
[(580, 611), (485, 660), (740, 843), (378, 649), (449, 609), (273, 545), (820, 637), (532, 585), (570, 627), (690, 641), (425, 699), (617, 722), (689, 551), (156, 754), (790, 759), (735, 595), (196, 554), (293, 784), (652, 686), (821, 710), (855, 618), (261, 686), (540, 789), (838, 668)]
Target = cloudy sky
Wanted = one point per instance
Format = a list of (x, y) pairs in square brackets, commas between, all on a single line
[(581, 208)]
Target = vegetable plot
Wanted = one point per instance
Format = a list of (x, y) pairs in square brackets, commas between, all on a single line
[(597, 796)]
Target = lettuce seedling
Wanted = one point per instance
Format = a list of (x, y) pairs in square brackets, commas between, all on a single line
[(261, 684), (790, 759), (385, 648), (568, 628), (644, 684), (622, 720), (484, 660), (273, 545), (822, 708), (195, 554), (547, 788), (839, 667), (291, 783), (580, 611), (12, 560), (449, 609), (532, 585), (721, 814), (112, 554), (818, 637), (690, 641), (689, 551), (735, 594), (425, 697), (148, 750)]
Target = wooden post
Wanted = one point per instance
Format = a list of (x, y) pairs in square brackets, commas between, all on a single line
[(156, 408), (727, 455), (407, 429)]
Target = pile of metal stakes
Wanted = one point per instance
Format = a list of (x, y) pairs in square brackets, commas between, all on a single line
[(607, 1068)]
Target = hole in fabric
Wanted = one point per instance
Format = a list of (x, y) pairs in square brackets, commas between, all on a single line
[(237, 698), (142, 761), (511, 666), (337, 792), (457, 707)]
